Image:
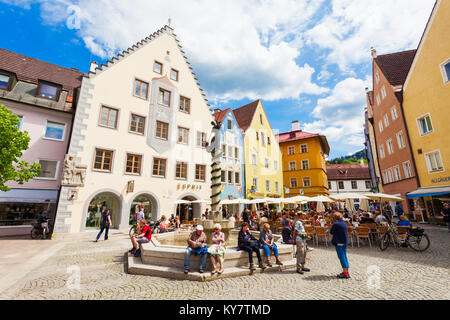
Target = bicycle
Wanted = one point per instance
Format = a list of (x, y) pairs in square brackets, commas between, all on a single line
[(416, 239)]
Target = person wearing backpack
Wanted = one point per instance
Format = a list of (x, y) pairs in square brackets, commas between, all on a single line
[(104, 224)]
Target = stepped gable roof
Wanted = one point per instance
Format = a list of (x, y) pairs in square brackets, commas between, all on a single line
[(166, 29), (244, 115), (348, 171), (219, 115), (395, 66), (32, 70)]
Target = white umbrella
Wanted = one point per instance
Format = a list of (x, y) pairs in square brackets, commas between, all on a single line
[(300, 198), (320, 207), (345, 196), (382, 196), (364, 206), (320, 199), (181, 202), (202, 201), (257, 201), (281, 200)]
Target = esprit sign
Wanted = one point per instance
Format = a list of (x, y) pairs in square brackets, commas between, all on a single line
[(440, 179)]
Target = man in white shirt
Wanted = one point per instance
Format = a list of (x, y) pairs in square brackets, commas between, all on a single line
[(301, 245)]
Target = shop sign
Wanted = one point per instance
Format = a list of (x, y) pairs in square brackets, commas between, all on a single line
[(440, 179)]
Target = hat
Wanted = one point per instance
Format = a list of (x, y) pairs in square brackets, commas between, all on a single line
[(200, 227), (217, 226)]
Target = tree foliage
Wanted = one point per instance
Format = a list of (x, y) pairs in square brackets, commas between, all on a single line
[(12, 143)]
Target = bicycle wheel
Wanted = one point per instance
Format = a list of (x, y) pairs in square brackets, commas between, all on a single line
[(420, 243), (385, 240), (35, 233)]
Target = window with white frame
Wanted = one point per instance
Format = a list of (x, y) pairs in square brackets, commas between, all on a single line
[(230, 151), (354, 184), (385, 177), (223, 176), (368, 184), (307, 182), (407, 169), (397, 175), (54, 131), (275, 165), (304, 148), (263, 139), (49, 169), (255, 184), (224, 150), (230, 177), (401, 140), (266, 163), (277, 187), (292, 166), (377, 78), (434, 161), (254, 159), (425, 125), (378, 100), (382, 154), (267, 185), (291, 150), (380, 125), (445, 69), (386, 120), (394, 113), (294, 183), (383, 92), (391, 174), (236, 152), (305, 164), (237, 179), (390, 146)]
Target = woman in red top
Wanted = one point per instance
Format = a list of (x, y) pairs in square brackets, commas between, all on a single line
[(144, 237)]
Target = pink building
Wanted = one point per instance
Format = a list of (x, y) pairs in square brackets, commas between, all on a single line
[(43, 95)]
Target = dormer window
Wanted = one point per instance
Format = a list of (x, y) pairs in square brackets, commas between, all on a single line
[(6, 80), (48, 90)]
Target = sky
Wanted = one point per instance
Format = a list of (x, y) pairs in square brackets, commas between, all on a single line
[(307, 60)]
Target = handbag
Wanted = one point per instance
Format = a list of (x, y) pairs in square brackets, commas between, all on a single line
[(253, 243)]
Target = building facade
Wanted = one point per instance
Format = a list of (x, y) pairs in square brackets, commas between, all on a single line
[(43, 95), (232, 162), (426, 101), (395, 159), (349, 178), (304, 168), (262, 156), (369, 144), (139, 139)]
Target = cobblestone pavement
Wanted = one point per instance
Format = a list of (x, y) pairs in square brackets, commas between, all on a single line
[(403, 274)]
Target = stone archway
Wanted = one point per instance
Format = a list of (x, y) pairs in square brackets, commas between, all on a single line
[(189, 211), (150, 203), (107, 198)]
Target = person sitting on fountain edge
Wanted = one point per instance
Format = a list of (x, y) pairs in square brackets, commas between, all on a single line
[(197, 244)]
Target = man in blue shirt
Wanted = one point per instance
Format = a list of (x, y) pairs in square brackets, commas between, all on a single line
[(398, 209), (403, 222)]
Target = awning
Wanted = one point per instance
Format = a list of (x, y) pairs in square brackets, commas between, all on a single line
[(29, 196), (426, 192)]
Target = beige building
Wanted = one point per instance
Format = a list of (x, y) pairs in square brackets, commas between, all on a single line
[(139, 139)]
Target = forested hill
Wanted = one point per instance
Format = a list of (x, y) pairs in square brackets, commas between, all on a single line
[(354, 158)]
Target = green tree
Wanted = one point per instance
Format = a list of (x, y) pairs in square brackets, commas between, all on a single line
[(12, 143)]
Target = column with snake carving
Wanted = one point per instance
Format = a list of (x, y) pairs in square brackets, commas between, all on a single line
[(216, 184)]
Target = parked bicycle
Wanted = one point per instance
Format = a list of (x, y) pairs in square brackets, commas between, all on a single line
[(415, 238)]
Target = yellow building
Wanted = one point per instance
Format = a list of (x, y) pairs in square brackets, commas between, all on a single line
[(426, 102), (304, 167), (263, 175)]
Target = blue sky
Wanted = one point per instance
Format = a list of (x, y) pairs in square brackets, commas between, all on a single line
[(307, 60)]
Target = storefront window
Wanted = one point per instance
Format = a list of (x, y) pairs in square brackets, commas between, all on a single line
[(98, 204), (136, 206), (16, 214)]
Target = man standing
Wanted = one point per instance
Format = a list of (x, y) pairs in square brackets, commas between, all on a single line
[(446, 213), (245, 215), (399, 209), (299, 230), (197, 244)]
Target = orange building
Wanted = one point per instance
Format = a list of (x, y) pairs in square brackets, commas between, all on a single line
[(303, 156)]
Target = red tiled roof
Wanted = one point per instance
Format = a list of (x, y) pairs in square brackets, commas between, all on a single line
[(219, 115), (31, 70), (395, 66), (244, 115), (295, 135), (348, 171)]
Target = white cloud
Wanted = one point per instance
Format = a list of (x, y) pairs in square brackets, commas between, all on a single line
[(355, 26), (239, 49)]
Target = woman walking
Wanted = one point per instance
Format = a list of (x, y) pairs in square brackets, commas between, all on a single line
[(340, 240), (267, 242), (105, 224), (217, 250)]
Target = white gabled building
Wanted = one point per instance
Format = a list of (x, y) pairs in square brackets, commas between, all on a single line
[(139, 131)]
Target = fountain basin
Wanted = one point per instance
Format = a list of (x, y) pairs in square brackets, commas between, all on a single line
[(164, 257)]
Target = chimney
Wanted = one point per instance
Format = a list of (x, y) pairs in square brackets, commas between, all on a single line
[(373, 52), (93, 66), (295, 125)]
